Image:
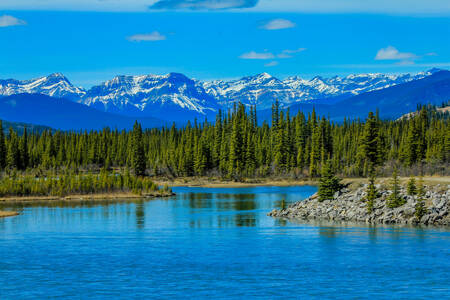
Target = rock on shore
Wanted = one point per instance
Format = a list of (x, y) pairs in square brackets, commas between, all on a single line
[(349, 206)]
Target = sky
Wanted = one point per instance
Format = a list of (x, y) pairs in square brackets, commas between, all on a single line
[(91, 41)]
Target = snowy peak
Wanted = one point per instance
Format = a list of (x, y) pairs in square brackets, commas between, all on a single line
[(54, 85), (136, 95)]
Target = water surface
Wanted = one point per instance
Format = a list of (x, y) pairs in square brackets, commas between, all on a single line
[(213, 242)]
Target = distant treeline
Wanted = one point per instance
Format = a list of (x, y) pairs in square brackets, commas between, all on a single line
[(235, 146)]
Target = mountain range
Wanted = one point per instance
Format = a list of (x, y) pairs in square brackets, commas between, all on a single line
[(159, 99)]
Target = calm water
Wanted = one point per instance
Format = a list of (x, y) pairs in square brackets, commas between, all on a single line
[(213, 243)]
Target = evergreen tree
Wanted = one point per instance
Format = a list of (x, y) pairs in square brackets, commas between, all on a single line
[(372, 193), (411, 187), (24, 150), (2, 147), (420, 208), (395, 199), (329, 184), (369, 151), (137, 148), (235, 156), (13, 155)]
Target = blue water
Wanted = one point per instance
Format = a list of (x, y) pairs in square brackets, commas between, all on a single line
[(213, 243)]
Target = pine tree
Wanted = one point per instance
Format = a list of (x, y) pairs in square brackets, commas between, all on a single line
[(24, 150), (235, 156), (2, 147), (395, 199), (329, 184), (250, 160), (13, 155), (420, 209), (369, 150), (137, 151), (411, 187), (372, 193)]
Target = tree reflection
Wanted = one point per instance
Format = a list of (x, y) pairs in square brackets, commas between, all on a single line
[(140, 214)]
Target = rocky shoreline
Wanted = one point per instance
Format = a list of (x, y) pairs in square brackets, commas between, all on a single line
[(348, 205)]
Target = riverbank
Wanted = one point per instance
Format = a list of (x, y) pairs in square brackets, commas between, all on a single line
[(4, 214), (91, 197), (349, 205), (212, 182), (217, 182)]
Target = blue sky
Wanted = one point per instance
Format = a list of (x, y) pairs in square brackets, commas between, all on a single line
[(92, 41)]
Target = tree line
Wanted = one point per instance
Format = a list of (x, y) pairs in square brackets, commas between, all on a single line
[(236, 146)]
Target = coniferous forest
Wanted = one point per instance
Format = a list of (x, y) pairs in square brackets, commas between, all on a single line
[(235, 147)]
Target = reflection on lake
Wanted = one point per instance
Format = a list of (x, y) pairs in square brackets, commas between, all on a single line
[(212, 243)]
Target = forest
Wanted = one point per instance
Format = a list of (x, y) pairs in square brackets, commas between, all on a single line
[(236, 146)]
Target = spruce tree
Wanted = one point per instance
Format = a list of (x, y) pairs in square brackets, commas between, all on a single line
[(395, 199), (372, 193), (411, 187), (2, 147), (420, 208), (13, 155), (137, 151), (329, 184), (24, 150), (369, 151)]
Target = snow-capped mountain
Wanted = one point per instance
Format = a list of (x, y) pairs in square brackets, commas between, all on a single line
[(54, 85), (263, 89), (176, 96), (260, 90), (151, 94)]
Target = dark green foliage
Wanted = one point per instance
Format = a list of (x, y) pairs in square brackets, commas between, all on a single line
[(235, 147), (372, 193), (411, 188), (420, 209), (137, 148), (2, 147), (395, 199), (329, 183)]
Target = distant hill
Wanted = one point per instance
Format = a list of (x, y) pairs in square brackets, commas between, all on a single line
[(63, 114), (19, 127)]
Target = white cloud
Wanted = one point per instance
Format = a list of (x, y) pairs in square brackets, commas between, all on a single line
[(278, 24), (256, 55), (6, 21), (289, 53), (147, 37), (271, 64), (391, 53)]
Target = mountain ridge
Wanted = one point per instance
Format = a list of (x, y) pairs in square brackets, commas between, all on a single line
[(176, 97)]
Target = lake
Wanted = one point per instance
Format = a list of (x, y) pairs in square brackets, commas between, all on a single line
[(213, 242)]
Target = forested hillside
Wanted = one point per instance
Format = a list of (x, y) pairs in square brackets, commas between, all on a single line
[(235, 147)]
